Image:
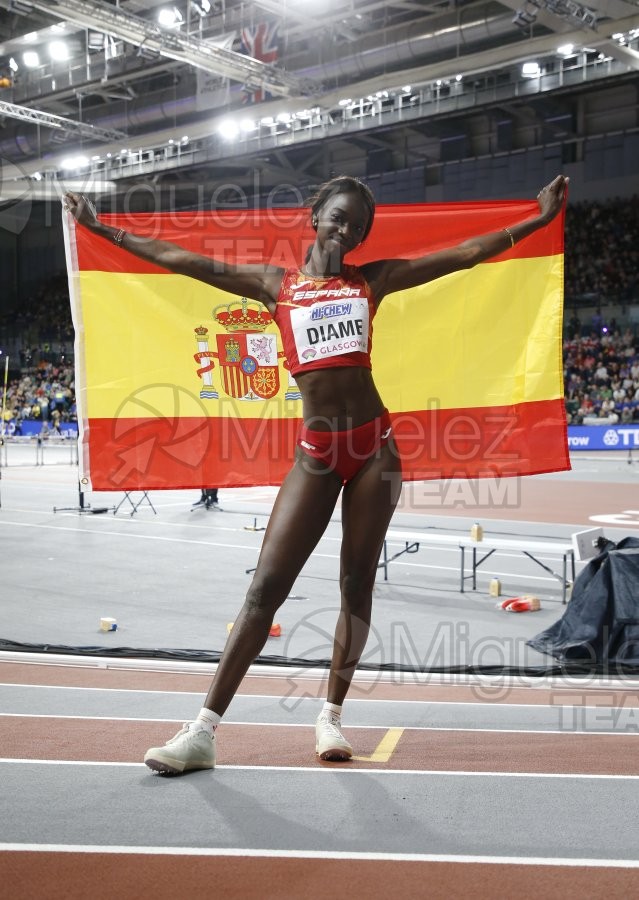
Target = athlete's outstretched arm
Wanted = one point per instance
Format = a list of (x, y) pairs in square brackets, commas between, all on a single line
[(391, 275), (256, 282)]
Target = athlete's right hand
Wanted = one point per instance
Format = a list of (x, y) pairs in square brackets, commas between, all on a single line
[(81, 208)]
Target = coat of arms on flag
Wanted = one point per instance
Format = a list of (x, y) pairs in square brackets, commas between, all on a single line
[(260, 42), (248, 357)]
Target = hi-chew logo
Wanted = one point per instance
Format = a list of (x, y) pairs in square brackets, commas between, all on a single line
[(330, 310)]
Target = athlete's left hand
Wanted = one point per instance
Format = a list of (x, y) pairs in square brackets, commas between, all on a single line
[(81, 208), (551, 197)]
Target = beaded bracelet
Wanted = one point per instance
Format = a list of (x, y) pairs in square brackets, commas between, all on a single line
[(118, 237), (510, 235)]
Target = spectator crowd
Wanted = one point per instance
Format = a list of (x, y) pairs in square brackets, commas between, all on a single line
[(602, 252), (45, 394), (601, 359), (44, 391), (601, 377)]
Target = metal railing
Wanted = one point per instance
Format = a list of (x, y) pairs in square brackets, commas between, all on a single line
[(38, 450), (384, 108)]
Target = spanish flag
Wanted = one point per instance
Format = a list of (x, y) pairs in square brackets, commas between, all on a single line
[(182, 385)]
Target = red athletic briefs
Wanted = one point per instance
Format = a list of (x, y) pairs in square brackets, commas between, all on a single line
[(346, 452)]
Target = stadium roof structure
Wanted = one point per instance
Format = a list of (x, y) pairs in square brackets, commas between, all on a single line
[(199, 93)]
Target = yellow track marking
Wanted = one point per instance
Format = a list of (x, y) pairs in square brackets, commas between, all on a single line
[(385, 748)]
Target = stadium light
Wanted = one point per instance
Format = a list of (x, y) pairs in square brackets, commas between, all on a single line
[(74, 162), (170, 18), (31, 59), (228, 129), (58, 51), (530, 70)]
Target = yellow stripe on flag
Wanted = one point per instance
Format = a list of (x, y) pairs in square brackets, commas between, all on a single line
[(480, 338), (484, 337)]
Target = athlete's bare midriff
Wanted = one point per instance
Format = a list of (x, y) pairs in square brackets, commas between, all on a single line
[(339, 398)]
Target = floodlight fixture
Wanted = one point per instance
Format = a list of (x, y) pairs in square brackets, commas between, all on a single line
[(170, 18), (31, 59), (530, 70), (58, 51)]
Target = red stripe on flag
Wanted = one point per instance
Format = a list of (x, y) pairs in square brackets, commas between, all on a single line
[(524, 439), (283, 235), (152, 454)]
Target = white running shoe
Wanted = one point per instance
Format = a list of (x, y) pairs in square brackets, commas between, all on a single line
[(330, 743), (191, 748)]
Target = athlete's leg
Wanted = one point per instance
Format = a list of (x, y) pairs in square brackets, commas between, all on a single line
[(300, 515), (368, 503)]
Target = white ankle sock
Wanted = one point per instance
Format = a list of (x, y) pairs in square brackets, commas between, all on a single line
[(208, 720), (333, 708)]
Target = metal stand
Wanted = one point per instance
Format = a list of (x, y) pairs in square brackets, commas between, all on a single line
[(411, 547), (562, 579), (135, 504), (254, 526), (83, 507)]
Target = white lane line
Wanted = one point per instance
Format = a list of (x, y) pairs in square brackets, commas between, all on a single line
[(153, 523), (129, 534), (479, 681), (256, 724), (325, 770), (215, 526), (492, 572), (69, 687), (255, 852), (68, 762), (177, 540), (306, 699), (150, 537)]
